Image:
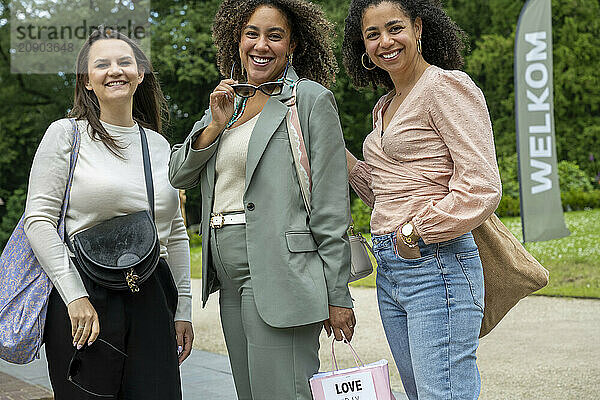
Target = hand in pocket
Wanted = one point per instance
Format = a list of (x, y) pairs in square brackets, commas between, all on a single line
[(403, 251)]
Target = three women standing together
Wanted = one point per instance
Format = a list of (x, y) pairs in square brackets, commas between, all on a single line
[(429, 173)]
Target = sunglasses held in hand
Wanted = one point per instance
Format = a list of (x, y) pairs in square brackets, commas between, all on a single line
[(247, 90)]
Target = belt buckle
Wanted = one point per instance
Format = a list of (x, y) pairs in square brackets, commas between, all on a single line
[(217, 224)]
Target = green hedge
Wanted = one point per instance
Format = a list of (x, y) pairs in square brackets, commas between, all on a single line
[(509, 207), (361, 213), (575, 200)]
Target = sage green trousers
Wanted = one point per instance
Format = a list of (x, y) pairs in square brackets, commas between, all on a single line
[(267, 363)]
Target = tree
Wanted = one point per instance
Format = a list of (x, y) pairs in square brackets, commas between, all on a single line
[(30, 103), (184, 59), (576, 39)]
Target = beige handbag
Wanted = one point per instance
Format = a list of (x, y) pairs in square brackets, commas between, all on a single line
[(510, 273), (362, 265)]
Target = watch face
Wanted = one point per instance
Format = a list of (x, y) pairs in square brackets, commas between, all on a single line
[(407, 229)]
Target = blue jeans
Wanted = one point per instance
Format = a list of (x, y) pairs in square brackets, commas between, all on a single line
[(431, 309)]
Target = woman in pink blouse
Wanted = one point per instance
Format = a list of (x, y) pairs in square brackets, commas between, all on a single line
[(430, 175)]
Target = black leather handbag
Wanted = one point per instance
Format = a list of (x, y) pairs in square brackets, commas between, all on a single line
[(122, 252)]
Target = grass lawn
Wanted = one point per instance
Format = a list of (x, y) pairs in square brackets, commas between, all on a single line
[(573, 261), (196, 262)]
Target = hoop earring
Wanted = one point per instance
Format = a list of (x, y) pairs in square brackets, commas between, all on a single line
[(364, 64), (291, 58), (419, 47)]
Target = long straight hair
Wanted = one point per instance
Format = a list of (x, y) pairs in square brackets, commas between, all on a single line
[(149, 104)]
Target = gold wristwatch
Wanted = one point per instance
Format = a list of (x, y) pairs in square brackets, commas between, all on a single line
[(409, 234)]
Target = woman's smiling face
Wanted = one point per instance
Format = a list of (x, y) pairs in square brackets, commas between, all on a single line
[(265, 44), (390, 38), (113, 71)]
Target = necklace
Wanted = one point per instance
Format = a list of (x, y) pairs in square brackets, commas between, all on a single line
[(239, 111)]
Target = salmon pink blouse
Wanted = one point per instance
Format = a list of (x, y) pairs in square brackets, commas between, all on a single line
[(435, 163)]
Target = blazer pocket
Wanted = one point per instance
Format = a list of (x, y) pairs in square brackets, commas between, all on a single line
[(300, 242)]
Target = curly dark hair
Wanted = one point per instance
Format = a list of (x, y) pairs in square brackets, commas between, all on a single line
[(312, 33), (443, 42)]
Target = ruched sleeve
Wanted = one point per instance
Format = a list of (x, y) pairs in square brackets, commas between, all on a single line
[(360, 181), (458, 113)]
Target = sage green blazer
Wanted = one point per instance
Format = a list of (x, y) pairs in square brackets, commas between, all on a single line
[(298, 264)]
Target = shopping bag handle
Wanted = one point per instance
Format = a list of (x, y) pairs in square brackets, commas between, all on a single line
[(357, 359)]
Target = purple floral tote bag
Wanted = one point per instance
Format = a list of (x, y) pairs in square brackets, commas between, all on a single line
[(25, 287)]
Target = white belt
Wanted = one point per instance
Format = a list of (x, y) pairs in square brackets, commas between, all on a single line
[(219, 220)]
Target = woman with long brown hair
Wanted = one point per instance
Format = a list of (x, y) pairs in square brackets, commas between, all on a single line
[(100, 341)]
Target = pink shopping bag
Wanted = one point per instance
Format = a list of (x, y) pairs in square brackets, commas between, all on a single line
[(363, 382)]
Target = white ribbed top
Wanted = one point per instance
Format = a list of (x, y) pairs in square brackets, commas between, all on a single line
[(104, 186)]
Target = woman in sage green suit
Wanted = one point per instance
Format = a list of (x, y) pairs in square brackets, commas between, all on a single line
[(282, 274)]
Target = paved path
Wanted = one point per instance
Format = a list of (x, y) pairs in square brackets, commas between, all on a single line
[(12, 388), (545, 349), (204, 375)]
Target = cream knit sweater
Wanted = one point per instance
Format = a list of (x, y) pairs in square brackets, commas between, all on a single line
[(104, 186)]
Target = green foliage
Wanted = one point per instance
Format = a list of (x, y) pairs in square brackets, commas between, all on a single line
[(15, 205), (576, 200), (361, 213), (195, 238), (576, 38), (509, 207), (184, 59), (509, 175), (572, 179), (29, 104), (491, 67)]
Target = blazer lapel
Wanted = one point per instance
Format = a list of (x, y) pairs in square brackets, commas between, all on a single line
[(210, 173), (270, 118)]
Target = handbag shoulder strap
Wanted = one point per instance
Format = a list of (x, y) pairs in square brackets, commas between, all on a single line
[(75, 154), (73, 162), (147, 170), (297, 143)]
